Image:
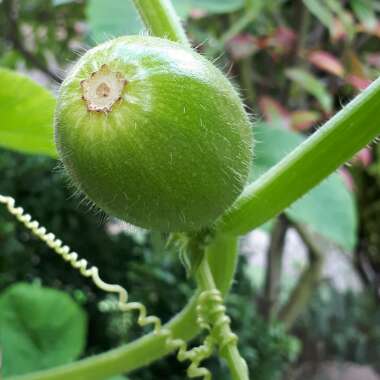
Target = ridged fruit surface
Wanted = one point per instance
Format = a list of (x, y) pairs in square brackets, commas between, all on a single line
[(153, 133)]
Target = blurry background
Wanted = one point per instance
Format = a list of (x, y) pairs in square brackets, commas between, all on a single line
[(306, 297)]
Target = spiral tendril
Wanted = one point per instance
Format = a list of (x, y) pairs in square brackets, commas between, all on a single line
[(212, 316), (195, 355)]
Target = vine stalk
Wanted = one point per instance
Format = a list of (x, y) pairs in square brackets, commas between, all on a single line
[(150, 347), (222, 331), (355, 126), (161, 19)]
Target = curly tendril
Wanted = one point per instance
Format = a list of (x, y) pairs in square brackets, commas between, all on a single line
[(195, 355), (212, 316)]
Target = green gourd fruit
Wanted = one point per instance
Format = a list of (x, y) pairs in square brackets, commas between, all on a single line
[(153, 133)]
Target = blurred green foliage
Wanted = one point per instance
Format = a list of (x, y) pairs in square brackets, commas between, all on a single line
[(115, 18), (38, 33), (354, 319), (21, 97)]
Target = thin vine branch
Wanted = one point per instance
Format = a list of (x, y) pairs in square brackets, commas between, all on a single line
[(220, 323), (307, 282), (274, 266), (247, 81), (15, 39)]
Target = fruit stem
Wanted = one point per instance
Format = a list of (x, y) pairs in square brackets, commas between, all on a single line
[(162, 20), (230, 352)]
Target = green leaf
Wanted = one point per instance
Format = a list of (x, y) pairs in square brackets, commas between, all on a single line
[(184, 7), (323, 13), (343, 16), (26, 114), (39, 328), (112, 18), (365, 12), (56, 3), (216, 6), (328, 209), (328, 11), (312, 85)]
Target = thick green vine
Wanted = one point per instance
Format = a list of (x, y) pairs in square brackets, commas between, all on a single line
[(351, 129), (195, 355), (161, 341), (161, 20)]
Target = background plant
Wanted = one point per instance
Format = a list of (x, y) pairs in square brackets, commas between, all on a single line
[(296, 98)]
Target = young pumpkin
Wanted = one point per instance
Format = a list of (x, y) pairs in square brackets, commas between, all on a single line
[(153, 133)]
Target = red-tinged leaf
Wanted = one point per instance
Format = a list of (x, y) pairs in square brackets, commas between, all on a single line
[(242, 46), (280, 42), (347, 178), (373, 31), (363, 157), (338, 31), (326, 62), (263, 42), (284, 38), (197, 14), (275, 113), (303, 120), (332, 14), (374, 59), (357, 82)]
